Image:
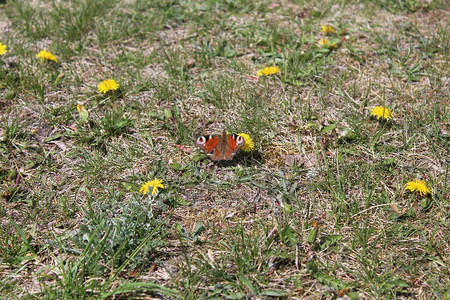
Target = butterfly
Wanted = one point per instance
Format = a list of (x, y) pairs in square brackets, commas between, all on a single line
[(220, 147)]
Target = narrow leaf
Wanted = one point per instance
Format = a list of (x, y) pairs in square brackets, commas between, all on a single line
[(245, 281), (328, 128)]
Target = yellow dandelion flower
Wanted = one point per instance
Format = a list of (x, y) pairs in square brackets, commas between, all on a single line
[(268, 71), (327, 28), (248, 142), (419, 186), (155, 183), (44, 54), (107, 85), (81, 108), (323, 42), (3, 49), (381, 112)]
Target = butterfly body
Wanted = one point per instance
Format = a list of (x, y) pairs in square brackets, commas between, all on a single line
[(220, 147)]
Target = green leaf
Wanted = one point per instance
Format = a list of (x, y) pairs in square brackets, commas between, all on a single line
[(323, 50), (238, 295), (128, 186), (330, 281), (155, 114), (328, 128), (330, 240), (287, 234), (199, 228), (273, 293), (287, 208), (59, 78), (25, 239), (354, 295), (53, 137), (141, 286), (389, 161), (335, 41), (176, 166), (180, 228), (84, 115), (168, 113), (312, 267), (245, 281), (425, 203), (312, 236), (350, 47)]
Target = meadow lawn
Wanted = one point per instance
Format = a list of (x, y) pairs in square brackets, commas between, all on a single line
[(341, 189)]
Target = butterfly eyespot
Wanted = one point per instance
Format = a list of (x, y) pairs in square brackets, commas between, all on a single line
[(201, 140), (240, 139)]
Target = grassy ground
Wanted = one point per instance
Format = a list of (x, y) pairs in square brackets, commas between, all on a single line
[(317, 210)]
